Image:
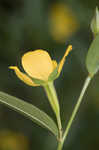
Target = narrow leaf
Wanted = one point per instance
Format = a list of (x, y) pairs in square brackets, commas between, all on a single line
[(92, 60), (30, 111)]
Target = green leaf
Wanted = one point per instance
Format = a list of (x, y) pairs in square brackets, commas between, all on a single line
[(30, 111), (92, 60)]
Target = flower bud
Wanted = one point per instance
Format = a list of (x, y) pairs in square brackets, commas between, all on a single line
[(95, 23)]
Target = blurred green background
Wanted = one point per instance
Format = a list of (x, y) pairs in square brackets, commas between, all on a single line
[(50, 25)]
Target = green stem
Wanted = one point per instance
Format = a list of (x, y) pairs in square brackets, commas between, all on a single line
[(60, 145), (87, 81), (53, 99)]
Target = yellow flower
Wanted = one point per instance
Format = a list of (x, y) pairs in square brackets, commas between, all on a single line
[(63, 22), (13, 141), (38, 65)]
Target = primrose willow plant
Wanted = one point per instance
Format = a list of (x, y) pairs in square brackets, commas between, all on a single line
[(41, 70)]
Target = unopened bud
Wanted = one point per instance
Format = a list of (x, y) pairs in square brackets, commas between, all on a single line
[(95, 22)]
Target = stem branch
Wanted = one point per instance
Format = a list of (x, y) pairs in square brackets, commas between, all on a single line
[(87, 81)]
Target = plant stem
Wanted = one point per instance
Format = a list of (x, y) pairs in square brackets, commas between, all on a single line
[(53, 99), (87, 81), (60, 145)]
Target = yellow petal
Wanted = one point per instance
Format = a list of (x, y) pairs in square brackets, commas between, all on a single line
[(37, 64), (54, 64), (22, 76), (63, 59)]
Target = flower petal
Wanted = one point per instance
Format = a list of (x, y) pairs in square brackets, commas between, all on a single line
[(37, 64), (22, 76), (64, 57), (54, 64)]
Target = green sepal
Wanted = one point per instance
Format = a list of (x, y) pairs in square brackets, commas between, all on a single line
[(53, 75), (95, 22), (37, 81), (92, 59)]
